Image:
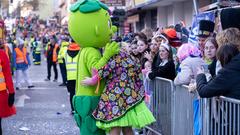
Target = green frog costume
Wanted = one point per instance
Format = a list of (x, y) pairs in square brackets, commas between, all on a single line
[(91, 27)]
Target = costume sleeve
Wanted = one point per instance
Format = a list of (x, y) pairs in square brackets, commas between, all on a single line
[(7, 72), (94, 59)]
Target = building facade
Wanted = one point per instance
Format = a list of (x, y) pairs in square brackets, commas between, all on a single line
[(161, 13), (4, 7)]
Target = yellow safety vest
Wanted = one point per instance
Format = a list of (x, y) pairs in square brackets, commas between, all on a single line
[(62, 51), (71, 66)]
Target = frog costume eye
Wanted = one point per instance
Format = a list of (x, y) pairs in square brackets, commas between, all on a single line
[(86, 6)]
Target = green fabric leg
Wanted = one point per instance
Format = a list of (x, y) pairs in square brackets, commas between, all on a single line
[(84, 106)]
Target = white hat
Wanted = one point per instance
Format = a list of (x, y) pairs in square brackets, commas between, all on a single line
[(165, 45)]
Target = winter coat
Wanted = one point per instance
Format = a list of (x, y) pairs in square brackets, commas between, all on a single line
[(165, 71), (188, 70), (226, 83)]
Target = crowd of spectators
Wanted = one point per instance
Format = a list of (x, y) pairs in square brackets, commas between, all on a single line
[(212, 61)]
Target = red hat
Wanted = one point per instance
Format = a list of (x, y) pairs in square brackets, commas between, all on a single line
[(170, 33)]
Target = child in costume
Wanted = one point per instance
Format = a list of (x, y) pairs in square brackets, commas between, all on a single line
[(90, 26), (6, 89), (122, 105)]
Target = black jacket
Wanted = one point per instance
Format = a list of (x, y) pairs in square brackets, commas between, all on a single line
[(166, 71), (226, 83)]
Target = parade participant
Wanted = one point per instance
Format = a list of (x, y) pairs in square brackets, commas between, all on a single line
[(71, 59), (205, 30), (4, 46), (121, 105), (6, 89), (90, 26), (61, 60), (7, 50), (51, 54), (36, 51), (21, 62)]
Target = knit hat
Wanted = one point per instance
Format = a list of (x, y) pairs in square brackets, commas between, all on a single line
[(206, 27), (230, 18)]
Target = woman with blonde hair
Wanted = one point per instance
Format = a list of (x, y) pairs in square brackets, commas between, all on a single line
[(229, 36)]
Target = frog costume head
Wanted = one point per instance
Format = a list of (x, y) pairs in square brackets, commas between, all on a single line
[(90, 24)]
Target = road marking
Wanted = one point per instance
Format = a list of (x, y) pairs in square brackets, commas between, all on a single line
[(21, 100)]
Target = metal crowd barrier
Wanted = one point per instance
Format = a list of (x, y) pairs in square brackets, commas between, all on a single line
[(161, 106), (183, 111), (172, 106), (223, 116)]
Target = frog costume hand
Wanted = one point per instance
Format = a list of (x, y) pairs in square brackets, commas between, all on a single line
[(90, 26)]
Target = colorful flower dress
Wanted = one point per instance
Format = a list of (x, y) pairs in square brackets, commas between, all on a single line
[(121, 104)]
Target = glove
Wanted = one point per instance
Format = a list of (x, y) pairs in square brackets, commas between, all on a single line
[(94, 72), (91, 81), (11, 99), (110, 50)]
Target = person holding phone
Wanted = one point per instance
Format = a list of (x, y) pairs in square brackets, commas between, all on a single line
[(226, 83)]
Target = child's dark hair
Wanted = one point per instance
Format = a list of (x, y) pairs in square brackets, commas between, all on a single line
[(226, 52)]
